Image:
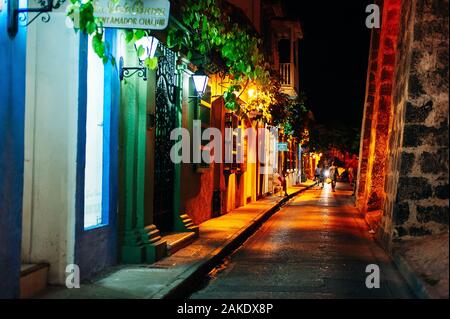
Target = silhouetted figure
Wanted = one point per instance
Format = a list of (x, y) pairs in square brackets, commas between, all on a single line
[(318, 175), (333, 175), (282, 179)]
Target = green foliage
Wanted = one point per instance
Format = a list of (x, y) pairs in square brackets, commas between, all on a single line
[(292, 115), (213, 33), (81, 12), (230, 97), (151, 63)]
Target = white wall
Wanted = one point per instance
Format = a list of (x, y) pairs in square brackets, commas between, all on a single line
[(50, 145), (93, 192)]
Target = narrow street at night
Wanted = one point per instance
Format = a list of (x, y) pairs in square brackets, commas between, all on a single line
[(202, 154), (316, 246)]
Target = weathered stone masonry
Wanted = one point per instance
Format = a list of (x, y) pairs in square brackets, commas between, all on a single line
[(367, 119), (414, 195), (378, 110)]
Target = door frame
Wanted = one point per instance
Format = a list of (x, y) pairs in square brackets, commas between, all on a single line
[(96, 247)]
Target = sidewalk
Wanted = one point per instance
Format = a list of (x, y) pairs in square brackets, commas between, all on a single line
[(175, 275), (424, 264)]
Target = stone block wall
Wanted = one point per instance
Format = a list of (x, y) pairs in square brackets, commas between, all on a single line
[(416, 183)]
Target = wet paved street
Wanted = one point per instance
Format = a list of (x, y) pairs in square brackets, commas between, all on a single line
[(317, 246)]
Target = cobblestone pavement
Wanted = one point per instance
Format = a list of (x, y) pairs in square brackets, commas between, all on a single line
[(317, 246)]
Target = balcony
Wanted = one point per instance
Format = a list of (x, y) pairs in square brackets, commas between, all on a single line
[(287, 74), (288, 79)]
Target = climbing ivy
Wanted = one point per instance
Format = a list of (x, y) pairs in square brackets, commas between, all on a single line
[(213, 33), (210, 32)]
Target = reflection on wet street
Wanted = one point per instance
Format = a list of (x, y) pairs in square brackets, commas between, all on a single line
[(317, 246)]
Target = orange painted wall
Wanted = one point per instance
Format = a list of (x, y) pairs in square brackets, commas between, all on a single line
[(197, 193)]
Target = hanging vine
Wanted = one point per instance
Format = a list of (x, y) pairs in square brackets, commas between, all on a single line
[(81, 14), (214, 33), (210, 32)]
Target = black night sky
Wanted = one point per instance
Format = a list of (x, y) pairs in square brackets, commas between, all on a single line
[(333, 58)]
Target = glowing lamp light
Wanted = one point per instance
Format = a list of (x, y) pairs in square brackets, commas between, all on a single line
[(149, 44), (200, 81), (251, 93)]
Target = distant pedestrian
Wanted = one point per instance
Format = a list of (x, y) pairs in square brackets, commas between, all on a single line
[(282, 179), (320, 170), (333, 175), (350, 175), (318, 174)]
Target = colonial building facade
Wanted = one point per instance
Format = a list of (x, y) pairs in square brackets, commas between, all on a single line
[(87, 177)]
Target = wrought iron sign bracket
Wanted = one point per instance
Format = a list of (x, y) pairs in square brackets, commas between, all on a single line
[(126, 72), (16, 14)]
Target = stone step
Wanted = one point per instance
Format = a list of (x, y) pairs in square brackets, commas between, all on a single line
[(33, 279), (153, 234), (177, 241), (189, 224), (185, 218), (195, 229)]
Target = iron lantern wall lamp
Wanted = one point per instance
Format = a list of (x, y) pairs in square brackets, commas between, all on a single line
[(200, 79), (16, 14), (200, 82), (149, 44)]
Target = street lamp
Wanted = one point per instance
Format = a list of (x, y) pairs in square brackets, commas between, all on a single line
[(149, 44), (200, 81), (251, 93)]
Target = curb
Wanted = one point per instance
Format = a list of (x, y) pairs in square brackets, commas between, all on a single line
[(417, 285), (186, 283)]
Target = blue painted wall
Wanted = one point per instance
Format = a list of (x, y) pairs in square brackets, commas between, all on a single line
[(12, 117), (96, 248)]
